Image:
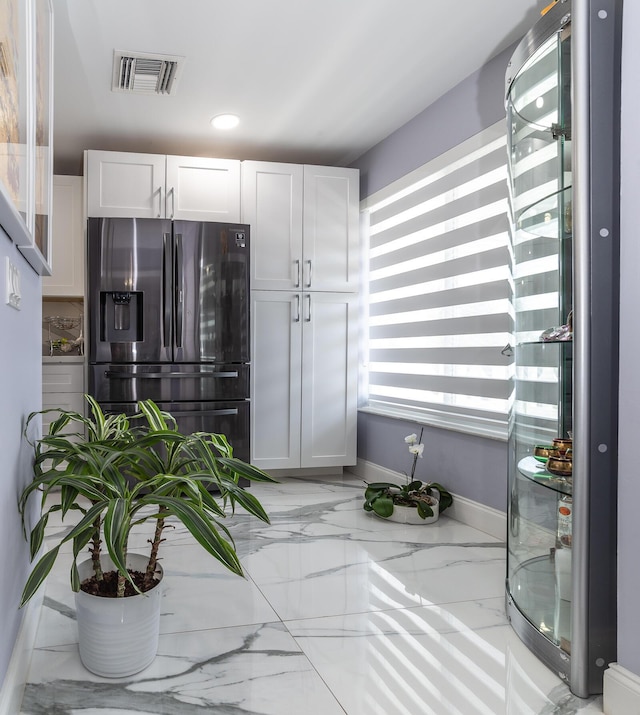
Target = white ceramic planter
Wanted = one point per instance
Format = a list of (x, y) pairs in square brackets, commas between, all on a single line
[(409, 515), (118, 636)]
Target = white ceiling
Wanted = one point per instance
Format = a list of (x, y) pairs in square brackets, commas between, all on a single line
[(315, 81)]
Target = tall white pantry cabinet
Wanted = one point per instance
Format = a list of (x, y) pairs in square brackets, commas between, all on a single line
[(305, 271)]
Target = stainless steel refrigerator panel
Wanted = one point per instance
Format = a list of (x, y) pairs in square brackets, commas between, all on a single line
[(228, 418), (211, 302), (130, 320), (169, 383)]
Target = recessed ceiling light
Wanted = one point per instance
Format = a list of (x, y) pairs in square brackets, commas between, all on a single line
[(225, 121)]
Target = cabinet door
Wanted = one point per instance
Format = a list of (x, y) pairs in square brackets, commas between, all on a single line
[(203, 189), (125, 185), (62, 388), (329, 379), (276, 322), (272, 205), (331, 229), (67, 256)]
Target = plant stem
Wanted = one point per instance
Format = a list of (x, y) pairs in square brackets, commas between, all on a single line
[(95, 551), (121, 584), (415, 456), (122, 581), (155, 545)]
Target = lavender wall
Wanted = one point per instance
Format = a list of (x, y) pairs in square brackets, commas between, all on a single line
[(474, 467), (471, 106), (20, 394)]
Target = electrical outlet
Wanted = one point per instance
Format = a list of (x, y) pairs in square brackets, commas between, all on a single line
[(13, 285)]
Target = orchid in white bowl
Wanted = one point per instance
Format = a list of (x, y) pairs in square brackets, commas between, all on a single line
[(426, 499)]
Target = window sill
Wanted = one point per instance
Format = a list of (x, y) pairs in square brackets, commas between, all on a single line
[(489, 429)]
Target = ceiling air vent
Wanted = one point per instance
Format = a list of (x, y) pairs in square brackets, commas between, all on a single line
[(145, 73)]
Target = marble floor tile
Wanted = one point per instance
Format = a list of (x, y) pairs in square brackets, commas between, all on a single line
[(340, 613), (244, 670)]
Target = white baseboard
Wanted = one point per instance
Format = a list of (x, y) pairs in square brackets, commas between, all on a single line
[(484, 518), (18, 670), (621, 694)]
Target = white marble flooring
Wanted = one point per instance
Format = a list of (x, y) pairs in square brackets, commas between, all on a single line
[(340, 613)]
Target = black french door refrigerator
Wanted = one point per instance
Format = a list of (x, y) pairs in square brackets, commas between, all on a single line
[(168, 306)]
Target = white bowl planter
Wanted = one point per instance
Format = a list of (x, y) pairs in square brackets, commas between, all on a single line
[(118, 636), (409, 515)]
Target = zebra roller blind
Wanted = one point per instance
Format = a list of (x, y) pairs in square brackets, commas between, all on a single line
[(440, 289)]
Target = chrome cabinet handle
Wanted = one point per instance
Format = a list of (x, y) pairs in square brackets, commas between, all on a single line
[(308, 318), (309, 274), (297, 283), (297, 318), (159, 202), (173, 201)]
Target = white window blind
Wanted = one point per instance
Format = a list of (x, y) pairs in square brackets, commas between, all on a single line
[(440, 291)]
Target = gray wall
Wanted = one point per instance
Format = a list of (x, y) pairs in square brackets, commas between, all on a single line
[(474, 467), (629, 464), (471, 466), (20, 394)]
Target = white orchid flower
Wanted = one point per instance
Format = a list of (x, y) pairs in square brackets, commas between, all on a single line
[(411, 439), (417, 449)]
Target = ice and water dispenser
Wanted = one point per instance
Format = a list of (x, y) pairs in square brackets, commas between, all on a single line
[(121, 316)]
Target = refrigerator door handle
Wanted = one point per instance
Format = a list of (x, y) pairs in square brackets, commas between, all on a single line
[(203, 413), (179, 305), (117, 375), (166, 289)]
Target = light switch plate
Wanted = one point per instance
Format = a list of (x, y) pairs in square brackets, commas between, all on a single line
[(13, 285)]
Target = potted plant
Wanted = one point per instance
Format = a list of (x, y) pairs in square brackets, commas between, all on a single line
[(415, 501), (119, 472)]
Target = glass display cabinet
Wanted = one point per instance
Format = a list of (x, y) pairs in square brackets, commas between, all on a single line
[(561, 577)]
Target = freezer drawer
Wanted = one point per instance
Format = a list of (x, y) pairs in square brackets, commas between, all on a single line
[(168, 383), (230, 418)]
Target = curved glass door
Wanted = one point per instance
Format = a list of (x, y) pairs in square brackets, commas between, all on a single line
[(539, 552)]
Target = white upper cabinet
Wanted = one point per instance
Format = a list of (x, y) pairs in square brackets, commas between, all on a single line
[(272, 205), (67, 253), (304, 226), (202, 189), (331, 244), (124, 184)]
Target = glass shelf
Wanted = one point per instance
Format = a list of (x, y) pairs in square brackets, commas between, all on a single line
[(535, 587), (534, 470)]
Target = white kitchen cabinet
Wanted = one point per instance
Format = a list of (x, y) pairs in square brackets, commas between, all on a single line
[(67, 254), (62, 387), (124, 184), (304, 379), (304, 226)]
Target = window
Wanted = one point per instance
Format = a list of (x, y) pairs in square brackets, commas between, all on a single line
[(439, 282)]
